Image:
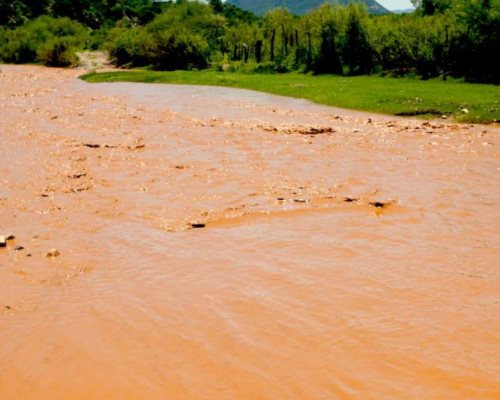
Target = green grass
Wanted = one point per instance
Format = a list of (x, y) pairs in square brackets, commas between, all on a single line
[(396, 96)]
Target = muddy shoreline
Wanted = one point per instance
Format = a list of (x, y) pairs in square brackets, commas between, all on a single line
[(219, 244)]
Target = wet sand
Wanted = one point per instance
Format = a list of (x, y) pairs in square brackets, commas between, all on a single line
[(343, 255)]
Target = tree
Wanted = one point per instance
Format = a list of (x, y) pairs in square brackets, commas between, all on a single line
[(278, 22), (327, 60), (358, 52), (217, 6), (430, 7)]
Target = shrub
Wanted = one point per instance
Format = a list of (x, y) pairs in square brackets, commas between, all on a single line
[(18, 47), (133, 46), (57, 52), (50, 40), (163, 46), (180, 49), (265, 68)]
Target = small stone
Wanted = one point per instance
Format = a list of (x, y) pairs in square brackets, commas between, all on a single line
[(3, 241), (53, 253), (18, 248), (10, 237), (378, 204), (28, 255)]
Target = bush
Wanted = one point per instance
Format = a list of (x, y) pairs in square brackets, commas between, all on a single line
[(132, 46), (57, 52), (164, 44), (98, 39), (52, 41), (265, 68), (180, 49), (18, 47)]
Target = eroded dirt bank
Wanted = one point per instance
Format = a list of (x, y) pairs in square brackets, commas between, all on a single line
[(344, 256)]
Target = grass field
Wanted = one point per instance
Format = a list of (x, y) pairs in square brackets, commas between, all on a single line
[(464, 102)]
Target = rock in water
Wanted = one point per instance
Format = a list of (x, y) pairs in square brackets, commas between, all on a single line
[(52, 253), (3, 241), (197, 225)]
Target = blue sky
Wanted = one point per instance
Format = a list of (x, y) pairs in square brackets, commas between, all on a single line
[(396, 4)]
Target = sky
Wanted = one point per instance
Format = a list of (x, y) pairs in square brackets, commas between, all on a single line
[(396, 4)]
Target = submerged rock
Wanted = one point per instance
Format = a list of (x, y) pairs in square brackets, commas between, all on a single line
[(53, 253), (378, 204), (5, 238)]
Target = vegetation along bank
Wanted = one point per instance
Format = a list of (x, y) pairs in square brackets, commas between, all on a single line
[(454, 40)]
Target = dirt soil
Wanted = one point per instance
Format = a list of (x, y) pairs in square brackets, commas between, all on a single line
[(94, 60), (212, 243)]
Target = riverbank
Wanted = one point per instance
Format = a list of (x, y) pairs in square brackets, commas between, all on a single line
[(459, 101)]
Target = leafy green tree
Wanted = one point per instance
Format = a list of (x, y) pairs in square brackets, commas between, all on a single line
[(430, 7), (217, 6), (16, 12), (327, 60), (474, 49), (358, 52), (442, 37), (278, 23)]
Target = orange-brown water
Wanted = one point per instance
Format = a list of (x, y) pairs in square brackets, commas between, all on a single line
[(344, 255)]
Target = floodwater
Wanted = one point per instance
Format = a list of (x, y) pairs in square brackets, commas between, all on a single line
[(339, 255)]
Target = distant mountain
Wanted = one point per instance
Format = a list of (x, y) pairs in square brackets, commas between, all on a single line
[(405, 11), (298, 7)]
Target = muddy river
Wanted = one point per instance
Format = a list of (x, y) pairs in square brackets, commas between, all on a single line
[(225, 244)]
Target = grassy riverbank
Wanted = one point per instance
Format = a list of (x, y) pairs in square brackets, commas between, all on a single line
[(464, 102)]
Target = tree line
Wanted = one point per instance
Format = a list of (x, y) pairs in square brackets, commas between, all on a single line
[(458, 38)]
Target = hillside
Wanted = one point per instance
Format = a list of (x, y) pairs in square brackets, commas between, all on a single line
[(297, 7)]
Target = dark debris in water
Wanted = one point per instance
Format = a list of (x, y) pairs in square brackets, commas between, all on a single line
[(378, 204), (77, 176)]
